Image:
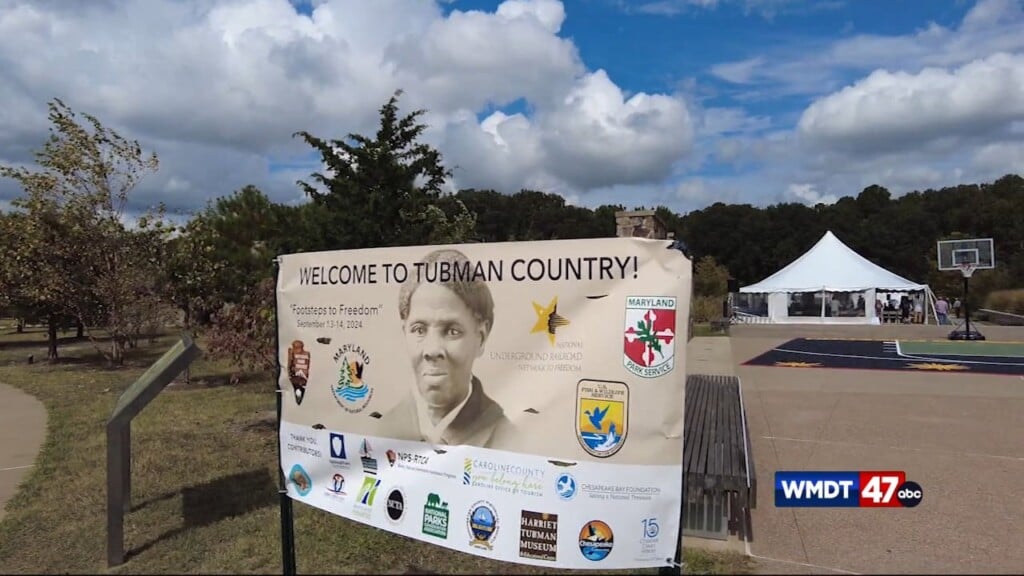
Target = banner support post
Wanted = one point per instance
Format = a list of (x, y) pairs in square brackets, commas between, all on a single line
[(287, 516)]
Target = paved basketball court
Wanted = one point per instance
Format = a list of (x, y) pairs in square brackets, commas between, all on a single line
[(957, 433), (987, 357)]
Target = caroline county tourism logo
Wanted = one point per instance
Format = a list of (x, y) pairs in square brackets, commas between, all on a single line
[(351, 392), (548, 319), (394, 505), (565, 486), (602, 414), (596, 540), (435, 517), (511, 479), (482, 523), (298, 369), (649, 335), (299, 478), (538, 535), (336, 489)]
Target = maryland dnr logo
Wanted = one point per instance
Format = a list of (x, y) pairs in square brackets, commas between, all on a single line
[(649, 349), (351, 392)]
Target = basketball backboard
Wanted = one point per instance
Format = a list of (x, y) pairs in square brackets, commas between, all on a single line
[(977, 251)]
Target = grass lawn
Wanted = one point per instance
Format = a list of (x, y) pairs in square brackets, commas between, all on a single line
[(204, 481)]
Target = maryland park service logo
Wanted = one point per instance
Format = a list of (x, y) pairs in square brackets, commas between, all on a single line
[(649, 336), (602, 414), (351, 392)]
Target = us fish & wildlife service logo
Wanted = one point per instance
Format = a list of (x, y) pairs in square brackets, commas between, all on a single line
[(602, 416), (482, 523), (351, 391)]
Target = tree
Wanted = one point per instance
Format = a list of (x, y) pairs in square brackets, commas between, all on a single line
[(84, 261), (376, 191), (192, 268)]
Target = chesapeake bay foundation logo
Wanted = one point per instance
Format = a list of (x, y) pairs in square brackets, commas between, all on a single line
[(596, 540), (298, 369), (511, 479), (602, 413), (482, 522), (538, 535), (435, 517), (649, 336), (299, 478), (351, 392), (548, 320)]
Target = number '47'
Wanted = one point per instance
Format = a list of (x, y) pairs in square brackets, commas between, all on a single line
[(873, 489)]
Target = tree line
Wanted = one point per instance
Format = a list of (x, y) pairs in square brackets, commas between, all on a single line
[(68, 258)]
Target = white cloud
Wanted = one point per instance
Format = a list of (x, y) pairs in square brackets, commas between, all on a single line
[(808, 195), (890, 110), (218, 88)]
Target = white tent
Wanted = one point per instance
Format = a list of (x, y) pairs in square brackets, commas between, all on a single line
[(804, 291)]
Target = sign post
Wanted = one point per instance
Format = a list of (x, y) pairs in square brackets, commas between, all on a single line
[(119, 447)]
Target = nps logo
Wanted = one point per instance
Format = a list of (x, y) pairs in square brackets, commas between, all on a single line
[(482, 523), (548, 320), (298, 369), (301, 480), (351, 392), (596, 540), (649, 336), (435, 517), (602, 413)]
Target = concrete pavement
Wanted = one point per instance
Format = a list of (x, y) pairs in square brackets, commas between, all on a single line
[(22, 431), (961, 437)]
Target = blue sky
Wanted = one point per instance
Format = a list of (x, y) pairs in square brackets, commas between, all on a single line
[(674, 102)]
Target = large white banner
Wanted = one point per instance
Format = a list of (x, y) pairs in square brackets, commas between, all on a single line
[(519, 401)]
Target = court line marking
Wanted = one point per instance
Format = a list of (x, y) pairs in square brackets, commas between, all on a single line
[(805, 564), (864, 445), (16, 468), (903, 359), (899, 350)]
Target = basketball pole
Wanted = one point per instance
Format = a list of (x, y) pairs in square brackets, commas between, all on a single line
[(966, 334)]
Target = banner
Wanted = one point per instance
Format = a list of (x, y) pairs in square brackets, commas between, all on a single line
[(519, 401)]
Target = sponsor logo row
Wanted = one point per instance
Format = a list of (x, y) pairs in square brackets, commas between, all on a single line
[(497, 477), (537, 532)]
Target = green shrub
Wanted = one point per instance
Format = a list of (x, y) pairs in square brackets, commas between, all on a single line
[(707, 308), (1011, 301)]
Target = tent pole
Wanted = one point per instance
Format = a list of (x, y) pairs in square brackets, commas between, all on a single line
[(823, 305)]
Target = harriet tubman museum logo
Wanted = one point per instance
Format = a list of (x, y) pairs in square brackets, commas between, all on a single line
[(298, 369), (649, 336), (351, 391)]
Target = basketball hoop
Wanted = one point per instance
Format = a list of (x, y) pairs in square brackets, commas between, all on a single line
[(967, 269)]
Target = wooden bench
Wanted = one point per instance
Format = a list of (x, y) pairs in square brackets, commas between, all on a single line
[(719, 478)]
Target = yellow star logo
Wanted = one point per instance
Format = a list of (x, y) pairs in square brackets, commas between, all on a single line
[(937, 366), (548, 319), (798, 364)]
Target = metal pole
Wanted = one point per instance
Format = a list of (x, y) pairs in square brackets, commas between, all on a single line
[(287, 517), (967, 310)]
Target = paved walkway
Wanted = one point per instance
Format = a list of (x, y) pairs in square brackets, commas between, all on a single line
[(22, 431)]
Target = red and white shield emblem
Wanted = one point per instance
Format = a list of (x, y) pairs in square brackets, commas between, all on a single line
[(649, 336)]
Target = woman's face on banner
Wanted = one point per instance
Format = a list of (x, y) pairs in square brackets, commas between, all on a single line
[(443, 338)]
